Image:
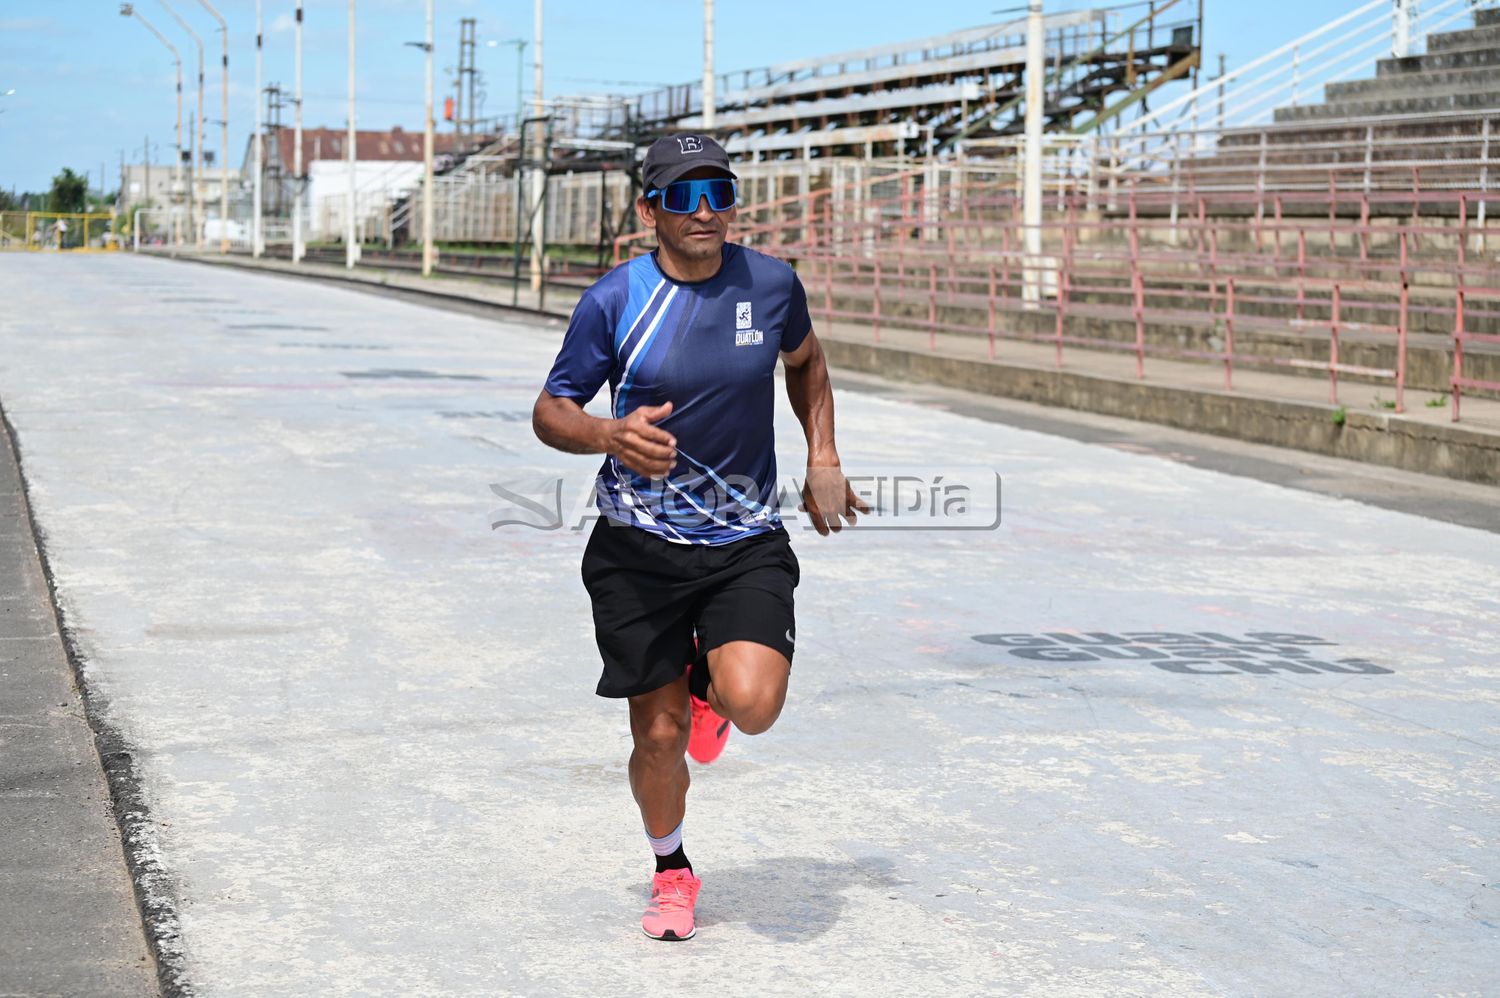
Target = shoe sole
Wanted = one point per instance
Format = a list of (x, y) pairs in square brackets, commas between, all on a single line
[(671, 937)]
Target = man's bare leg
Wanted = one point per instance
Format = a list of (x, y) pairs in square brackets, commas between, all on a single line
[(747, 684), (659, 724)]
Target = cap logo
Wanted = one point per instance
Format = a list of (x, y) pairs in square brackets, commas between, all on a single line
[(689, 143)]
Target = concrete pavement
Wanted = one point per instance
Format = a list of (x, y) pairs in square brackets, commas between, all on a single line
[(1166, 731)]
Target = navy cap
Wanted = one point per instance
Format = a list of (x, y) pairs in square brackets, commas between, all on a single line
[(671, 156)]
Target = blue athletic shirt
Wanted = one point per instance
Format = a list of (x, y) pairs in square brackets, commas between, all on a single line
[(710, 348)]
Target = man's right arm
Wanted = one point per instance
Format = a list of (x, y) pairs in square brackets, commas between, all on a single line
[(646, 449)]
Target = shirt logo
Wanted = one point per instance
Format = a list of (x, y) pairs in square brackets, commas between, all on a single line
[(749, 338), (742, 316), (689, 143)]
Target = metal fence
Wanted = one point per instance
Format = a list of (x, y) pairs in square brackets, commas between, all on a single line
[(44, 231), (1340, 298)]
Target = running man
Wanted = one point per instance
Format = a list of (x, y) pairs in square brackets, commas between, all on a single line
[(689, 568)]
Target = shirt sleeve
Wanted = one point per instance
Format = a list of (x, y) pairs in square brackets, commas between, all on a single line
[(798, 321), (587, 355)]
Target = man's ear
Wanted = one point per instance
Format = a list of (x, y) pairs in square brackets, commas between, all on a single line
[(645, 212)]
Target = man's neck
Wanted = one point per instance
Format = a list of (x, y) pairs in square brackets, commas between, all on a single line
[(688, 272)]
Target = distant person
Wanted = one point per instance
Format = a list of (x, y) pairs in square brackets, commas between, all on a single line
[(689, 568)]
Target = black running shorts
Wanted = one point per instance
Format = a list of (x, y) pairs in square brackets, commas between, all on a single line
[(651, 597)]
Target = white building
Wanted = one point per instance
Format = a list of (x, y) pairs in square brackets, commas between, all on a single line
[(387, 165)]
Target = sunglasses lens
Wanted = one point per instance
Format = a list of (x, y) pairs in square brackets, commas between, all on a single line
[(682, 197), (676, 197), (720, 194)]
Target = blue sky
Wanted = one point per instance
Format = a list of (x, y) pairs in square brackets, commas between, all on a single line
[(90, 83)]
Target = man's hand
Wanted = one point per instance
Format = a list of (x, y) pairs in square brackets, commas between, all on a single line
[(642, 447), (827, 496)]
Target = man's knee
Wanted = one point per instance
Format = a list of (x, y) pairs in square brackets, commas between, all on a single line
[(753, 707), (664, 733), (759, 716)]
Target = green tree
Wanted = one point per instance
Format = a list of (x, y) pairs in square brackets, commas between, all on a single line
[(69, 192)]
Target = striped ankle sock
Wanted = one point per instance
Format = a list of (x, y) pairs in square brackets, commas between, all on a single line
[(668, 849)]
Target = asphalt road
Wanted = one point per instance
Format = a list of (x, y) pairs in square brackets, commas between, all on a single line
[(1165, 730)]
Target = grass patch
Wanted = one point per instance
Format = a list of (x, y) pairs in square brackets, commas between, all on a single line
[(1340, 416)]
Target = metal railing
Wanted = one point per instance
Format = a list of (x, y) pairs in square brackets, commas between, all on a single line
[(1345, 47), (41, 231), (1335, 297)]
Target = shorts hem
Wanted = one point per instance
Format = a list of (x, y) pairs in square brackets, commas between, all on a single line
[(651, 685), (753, 639)]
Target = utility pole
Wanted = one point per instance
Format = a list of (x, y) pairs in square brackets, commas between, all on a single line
[(466, 72), (520, 44), (539, 174), (257, 240), (275, 164), (427, 190), (1031, 186), (1401, 28), (224, 135), (710, 98), (196, 218), (147, 198), (1220, 129), (128, 10), (298, 247), (351, 251), (458, 99)]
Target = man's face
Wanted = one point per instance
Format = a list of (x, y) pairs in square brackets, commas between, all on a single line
[(696, 236)]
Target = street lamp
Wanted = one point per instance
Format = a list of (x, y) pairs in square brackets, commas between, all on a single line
[(257, 244), (351, 250), (298, 247), (197, 182), (539, 175), (427, 192), (710, 99), (520, 44), (128, 10), (224, 139)]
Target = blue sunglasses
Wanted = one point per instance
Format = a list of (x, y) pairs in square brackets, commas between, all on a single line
[(681, 197)]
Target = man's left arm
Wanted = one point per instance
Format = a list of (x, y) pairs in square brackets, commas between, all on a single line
[(826, 494)]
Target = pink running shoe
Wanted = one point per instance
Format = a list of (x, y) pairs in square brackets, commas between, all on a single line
[(710, 732), (669, 917)]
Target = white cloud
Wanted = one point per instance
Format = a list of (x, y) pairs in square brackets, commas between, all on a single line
[(283, 23)]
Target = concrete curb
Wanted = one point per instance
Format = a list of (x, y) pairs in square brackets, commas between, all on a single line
[(154, 892), (1374, 438), (402, 281)]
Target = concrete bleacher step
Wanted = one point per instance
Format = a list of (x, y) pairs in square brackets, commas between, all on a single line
[(1467, 40), (1433, 62), (1434, 83), (1434, 104)]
